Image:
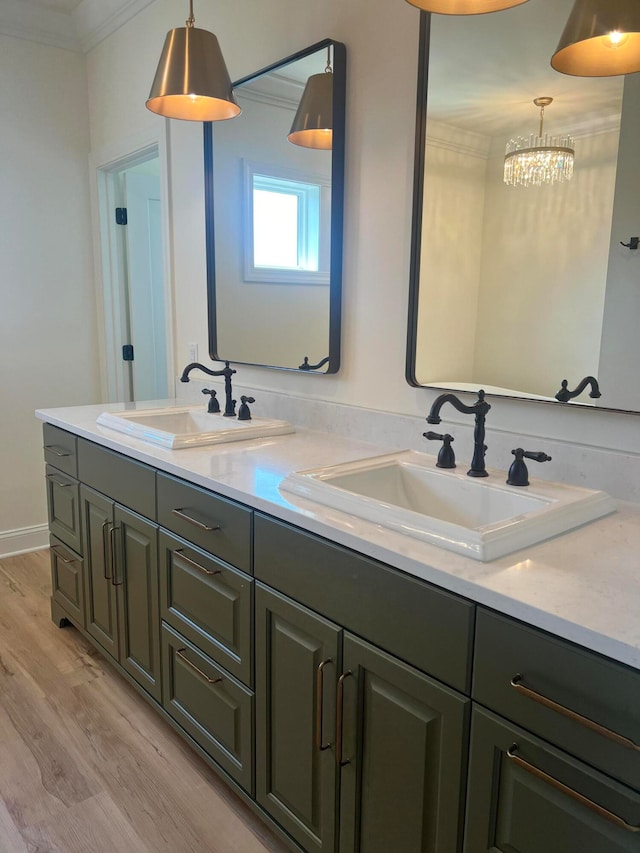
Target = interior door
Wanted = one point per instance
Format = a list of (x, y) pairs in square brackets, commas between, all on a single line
[(147, 316)]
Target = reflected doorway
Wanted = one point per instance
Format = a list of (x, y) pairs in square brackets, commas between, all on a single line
[(136, 306)]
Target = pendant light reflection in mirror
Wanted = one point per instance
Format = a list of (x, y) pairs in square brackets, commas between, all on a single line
[(313, 122), (192, 82)]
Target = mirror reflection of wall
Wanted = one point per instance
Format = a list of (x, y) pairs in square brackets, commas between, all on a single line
[(513, 281), (273, 215)]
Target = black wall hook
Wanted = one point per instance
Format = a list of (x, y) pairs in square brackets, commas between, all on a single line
[(633, 243)]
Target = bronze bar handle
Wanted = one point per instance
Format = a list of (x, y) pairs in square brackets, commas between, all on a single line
[(59, 451), (182, 514), (59, 555), (193, 666), (570, 792), (57, 482), (319, 704), (340, 720), (112, 541), (517, 684), (193, 563), (105, 549)]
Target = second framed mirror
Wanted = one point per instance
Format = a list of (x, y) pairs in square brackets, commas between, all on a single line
[(274, 180)]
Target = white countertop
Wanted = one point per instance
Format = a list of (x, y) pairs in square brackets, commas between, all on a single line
[(583, 586)]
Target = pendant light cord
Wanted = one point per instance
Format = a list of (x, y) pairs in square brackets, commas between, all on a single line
[(541, 120), (190, 20), (328, 69)]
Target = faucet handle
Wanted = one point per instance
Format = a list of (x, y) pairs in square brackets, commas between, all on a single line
[(446, 456), (518, 473), (243, 412), (214, 405)]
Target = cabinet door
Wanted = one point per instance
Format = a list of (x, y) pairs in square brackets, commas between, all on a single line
[(526, 796), (403, 756), (100, 592), (63, 506), (296, 667), (135, 574), (67, 580)]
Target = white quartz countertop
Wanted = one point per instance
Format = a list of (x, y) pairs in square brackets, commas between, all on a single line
[(583, 586)]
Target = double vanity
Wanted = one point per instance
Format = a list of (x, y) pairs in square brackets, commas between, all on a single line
[(283, 604)]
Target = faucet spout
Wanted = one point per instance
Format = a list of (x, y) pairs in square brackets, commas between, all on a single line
[(564, 395), (479, 409), (227, 372)]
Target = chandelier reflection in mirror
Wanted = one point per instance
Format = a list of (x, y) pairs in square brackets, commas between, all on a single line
[(537, 160)]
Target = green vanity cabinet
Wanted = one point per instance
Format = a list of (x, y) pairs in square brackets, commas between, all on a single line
[(121, 586), (403, 756), (297, 666), (67, 579), (336, 714), (526, 796)]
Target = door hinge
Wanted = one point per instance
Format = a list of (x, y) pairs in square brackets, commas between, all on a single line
[(127, 352), (121, 215)]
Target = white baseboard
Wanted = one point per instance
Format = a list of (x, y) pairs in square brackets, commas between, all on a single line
[(25, 539)]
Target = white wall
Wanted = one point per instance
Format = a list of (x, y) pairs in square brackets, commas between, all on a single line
[(47, 322)]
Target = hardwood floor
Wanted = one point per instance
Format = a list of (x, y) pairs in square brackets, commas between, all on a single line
[(86, 765)]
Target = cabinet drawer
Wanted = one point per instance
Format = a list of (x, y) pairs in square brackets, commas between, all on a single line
[(209, 602), (67, 581), (60, 449), (560, 691), (431, 629), (124, 480), (215, 524), (63, 506), (525, 796), (210, 705)]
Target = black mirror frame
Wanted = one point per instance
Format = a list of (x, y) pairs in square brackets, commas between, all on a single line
[(418, 198), (337, 209)]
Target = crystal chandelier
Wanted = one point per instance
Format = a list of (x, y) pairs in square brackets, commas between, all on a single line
[(541, 159)]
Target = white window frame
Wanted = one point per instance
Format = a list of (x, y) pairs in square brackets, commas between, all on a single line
[(285, 275)]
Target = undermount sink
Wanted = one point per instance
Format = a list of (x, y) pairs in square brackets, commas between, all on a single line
[(177, 428), (480, 518)]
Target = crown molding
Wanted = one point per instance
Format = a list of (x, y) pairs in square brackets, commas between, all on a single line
[(90, 23)]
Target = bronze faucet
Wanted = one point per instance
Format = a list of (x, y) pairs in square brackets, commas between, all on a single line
[(479, 409), (227, 372)]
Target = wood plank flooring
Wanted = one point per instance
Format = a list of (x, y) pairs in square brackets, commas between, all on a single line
[(86, 766)]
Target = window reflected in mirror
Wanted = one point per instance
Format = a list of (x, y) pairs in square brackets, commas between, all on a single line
[(274, 223)]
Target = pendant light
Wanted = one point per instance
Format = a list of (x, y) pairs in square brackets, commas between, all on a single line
[(313, 123), (192, 81), (601, 39), (541, 159), (464, 7)]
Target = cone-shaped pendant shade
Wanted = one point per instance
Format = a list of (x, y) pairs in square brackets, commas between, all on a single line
[(601, 39), (192, 81), (313, 124), (464, 7)]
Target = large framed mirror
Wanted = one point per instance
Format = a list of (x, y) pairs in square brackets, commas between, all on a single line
[(517, 288), (274, 221)]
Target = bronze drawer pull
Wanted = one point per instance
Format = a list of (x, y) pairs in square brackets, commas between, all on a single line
[(193, 563), (112, 542), (565, 789), (59, 555), (340, 720), (193, 666), (319, 704), (517, 684), (182, 514), (59, 451), (106, 552), (57, 482)]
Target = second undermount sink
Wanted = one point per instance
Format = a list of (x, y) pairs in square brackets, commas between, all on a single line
[(480, 518), (176, 428)]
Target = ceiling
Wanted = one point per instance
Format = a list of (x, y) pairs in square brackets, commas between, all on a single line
[(485, 71), (71, 24)]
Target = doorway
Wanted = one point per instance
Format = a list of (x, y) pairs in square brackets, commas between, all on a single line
[(136, 304)]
